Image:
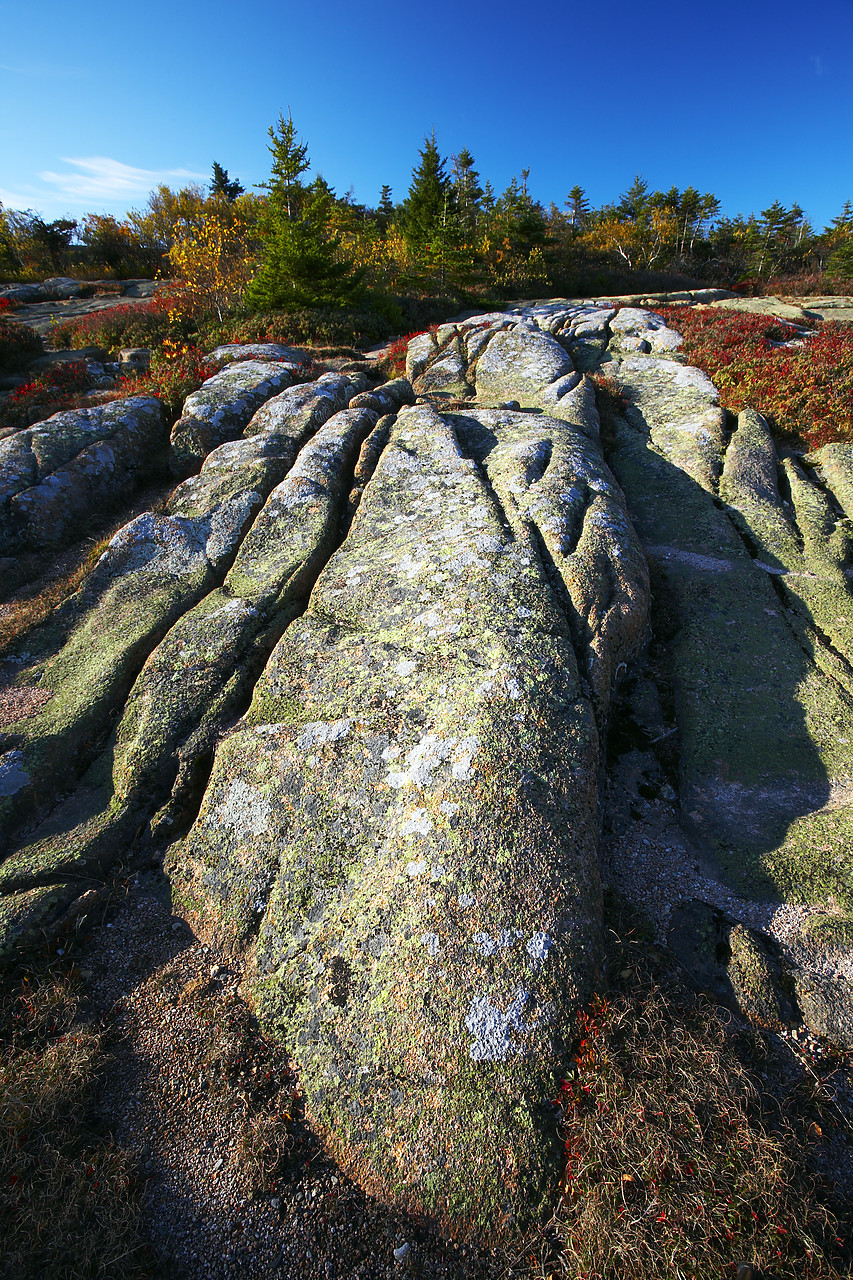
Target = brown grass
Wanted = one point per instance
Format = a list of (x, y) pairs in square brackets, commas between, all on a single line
[(679, 1163), (68, 1195), (20, 615)]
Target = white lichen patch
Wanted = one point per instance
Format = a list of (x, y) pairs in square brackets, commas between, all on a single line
[(538, 947), (489, 946), (418, 823), (245, 808), (322, 732), (489, 1027), (462, 759), (512, 687), (429, 755), (431, 942), (415, 869)]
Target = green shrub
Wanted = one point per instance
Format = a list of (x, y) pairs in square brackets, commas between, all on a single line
[(18, 345)]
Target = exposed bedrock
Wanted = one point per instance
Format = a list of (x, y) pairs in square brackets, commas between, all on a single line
[(55, 474), (407, 819), (357, 676), (750, 553), (82, 663), (225, 404)]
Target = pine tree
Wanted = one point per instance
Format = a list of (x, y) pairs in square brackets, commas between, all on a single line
[(222, 185), (301, 263), (384, 211), (426, 208)]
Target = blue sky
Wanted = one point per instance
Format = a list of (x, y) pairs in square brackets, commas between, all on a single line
[(99, 100)]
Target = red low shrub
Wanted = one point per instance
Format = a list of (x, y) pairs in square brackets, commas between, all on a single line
[(805, 390)]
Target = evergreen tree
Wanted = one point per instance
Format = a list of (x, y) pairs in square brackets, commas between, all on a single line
[(578, 207), (301, 263), (223, 186), (844, 221), (467, 191), (289, 162), (633, 203), (427, 206), (384, 211)]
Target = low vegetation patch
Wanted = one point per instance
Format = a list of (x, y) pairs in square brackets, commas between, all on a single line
[(18, 345), (68, 1194), (146, 324), (62, 386), (177, 369), (802, 383), (678, 1161)]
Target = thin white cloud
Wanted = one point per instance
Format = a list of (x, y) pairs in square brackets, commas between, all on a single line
[(46, 70), (14, 199), (101, 178), (817, 64)]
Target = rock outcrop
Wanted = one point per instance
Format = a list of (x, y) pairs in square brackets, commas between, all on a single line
[(54, 475), (357, 680)]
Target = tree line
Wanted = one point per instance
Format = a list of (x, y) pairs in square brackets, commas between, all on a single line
[(296, 243)]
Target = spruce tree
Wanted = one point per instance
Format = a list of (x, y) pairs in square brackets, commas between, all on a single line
[(578, 207), (426, 208), (467, 191), (384, 211), (222, 185), (300, 261)]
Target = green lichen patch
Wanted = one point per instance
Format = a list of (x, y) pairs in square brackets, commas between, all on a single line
[(408, 820), (88, 654)]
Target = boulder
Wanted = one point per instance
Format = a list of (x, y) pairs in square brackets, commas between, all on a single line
[(23, 294), (134, 360), (196, 674), (59, 288)]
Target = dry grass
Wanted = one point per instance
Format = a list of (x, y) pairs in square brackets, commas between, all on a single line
[(679, 1164), (21, 614), (68, 1196)]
